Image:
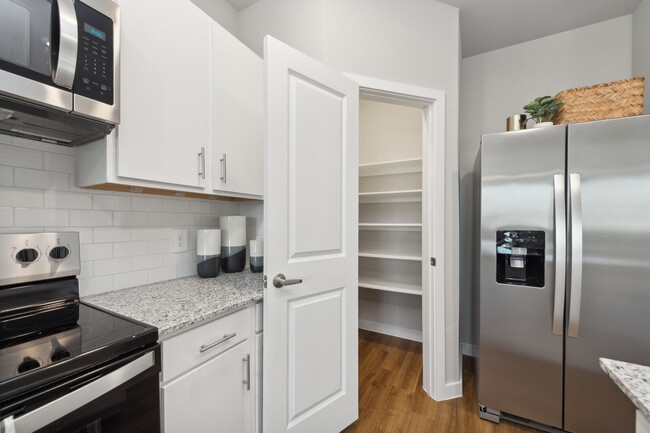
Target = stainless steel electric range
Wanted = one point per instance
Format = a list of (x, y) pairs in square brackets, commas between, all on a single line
[(66, 366)]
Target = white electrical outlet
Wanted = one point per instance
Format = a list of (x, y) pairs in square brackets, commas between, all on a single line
[(179, 241)]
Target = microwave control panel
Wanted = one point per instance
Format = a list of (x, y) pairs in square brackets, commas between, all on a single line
[(94, 75)]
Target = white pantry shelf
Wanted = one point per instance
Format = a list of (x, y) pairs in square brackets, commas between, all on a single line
[(413, 165), (391, 226), (372, 283), (409, 195), (374, 254)]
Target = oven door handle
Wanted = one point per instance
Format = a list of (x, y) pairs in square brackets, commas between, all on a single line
[(49, 413)]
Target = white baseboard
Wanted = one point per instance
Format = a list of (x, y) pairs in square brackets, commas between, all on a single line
[(469, 349), (395, 331), (447, 391), (453, 390)]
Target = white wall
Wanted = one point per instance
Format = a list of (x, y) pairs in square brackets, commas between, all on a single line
[(641, 47), (409, 41), (221, 11), (499, 83), (388, 132), (125, 238), (296, 22)]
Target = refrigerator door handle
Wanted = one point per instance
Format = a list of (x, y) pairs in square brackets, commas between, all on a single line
[(560, 254), (576, 255)]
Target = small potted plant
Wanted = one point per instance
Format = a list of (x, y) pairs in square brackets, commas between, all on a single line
[(542, 110)]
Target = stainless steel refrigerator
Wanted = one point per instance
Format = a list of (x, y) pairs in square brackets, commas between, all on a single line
[(564, 272)]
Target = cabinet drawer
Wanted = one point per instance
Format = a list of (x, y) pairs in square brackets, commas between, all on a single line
[(189, 349)]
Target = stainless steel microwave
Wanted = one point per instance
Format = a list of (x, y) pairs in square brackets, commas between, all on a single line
[(59, 69)]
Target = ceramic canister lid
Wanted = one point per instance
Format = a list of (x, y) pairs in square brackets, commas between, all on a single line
[(233, 231), (208, 242)]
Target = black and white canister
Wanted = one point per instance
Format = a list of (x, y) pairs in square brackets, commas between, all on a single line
[(256, 252), (208, 252), (233, 243)]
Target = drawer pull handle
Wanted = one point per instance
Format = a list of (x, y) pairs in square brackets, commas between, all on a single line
[(226, 337), (247, 381)]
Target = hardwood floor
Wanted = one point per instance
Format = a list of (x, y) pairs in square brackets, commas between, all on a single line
[(391, 398)]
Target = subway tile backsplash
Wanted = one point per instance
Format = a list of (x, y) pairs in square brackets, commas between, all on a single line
[(125, 238)]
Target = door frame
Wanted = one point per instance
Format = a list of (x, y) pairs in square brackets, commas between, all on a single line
[(435, 336)]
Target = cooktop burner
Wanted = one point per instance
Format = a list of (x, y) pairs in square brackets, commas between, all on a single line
[(98, 336)]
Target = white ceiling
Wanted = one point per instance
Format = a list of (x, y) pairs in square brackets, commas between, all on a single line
[(243, 4), (487, 25)]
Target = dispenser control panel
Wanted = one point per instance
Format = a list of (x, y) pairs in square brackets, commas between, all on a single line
[(520, 257)]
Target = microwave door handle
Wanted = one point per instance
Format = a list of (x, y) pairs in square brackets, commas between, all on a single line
[(64, 40), (57, 409)]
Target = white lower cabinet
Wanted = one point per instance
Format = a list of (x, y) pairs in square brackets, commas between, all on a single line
[(212, 397), (259, 344), (642, 423), (209, 377)]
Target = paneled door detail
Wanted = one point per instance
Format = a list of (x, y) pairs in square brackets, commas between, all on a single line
[(310, 226)]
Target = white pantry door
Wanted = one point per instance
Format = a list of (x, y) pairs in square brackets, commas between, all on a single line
[(310, 230)]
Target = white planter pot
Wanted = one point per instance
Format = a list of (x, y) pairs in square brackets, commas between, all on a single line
[(542, 124)]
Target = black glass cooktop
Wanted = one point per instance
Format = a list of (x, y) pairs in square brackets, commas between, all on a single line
[(97, 337)]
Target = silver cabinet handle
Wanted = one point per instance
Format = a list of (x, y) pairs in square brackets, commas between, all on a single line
[(247, 381), (560, 254), (57, 409), (202, 163), (63, 52), (226, 337), (224, 167), (281, 281), (576, 254)]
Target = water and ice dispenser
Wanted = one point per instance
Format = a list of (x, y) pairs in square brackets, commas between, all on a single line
[(520, 257)]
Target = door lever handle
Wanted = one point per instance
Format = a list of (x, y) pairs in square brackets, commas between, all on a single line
[(280, 281)]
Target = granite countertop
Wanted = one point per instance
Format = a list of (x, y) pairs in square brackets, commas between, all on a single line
[(634, 381), (176, 304)]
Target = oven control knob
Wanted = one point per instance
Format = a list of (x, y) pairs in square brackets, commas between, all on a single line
[(28, 364), (27, 255), (59, 253), (60, 354)]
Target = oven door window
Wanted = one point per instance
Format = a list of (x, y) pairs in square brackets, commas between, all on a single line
[(25, 38), (132, 408)]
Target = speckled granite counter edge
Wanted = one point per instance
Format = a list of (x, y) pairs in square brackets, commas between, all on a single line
[(633, 380), (195, 322), (177, 305)]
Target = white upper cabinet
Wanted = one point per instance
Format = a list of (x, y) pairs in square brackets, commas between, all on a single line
[(237, 116), (165, 91), (192, 100)]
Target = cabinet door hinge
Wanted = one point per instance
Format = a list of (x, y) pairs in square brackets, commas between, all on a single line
[(264, 281)]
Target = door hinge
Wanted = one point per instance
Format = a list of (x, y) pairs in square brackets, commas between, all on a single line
[(433, 261), (264, 281)]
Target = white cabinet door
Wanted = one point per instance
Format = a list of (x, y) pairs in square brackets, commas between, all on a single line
[(238, 119), (310, 227), (212, 398), (259, 356), (165, 91)]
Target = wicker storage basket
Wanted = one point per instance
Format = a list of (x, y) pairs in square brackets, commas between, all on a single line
[(603, 101)]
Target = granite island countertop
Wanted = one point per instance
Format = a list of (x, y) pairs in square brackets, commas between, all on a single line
[(181, 303), (634, 381)]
